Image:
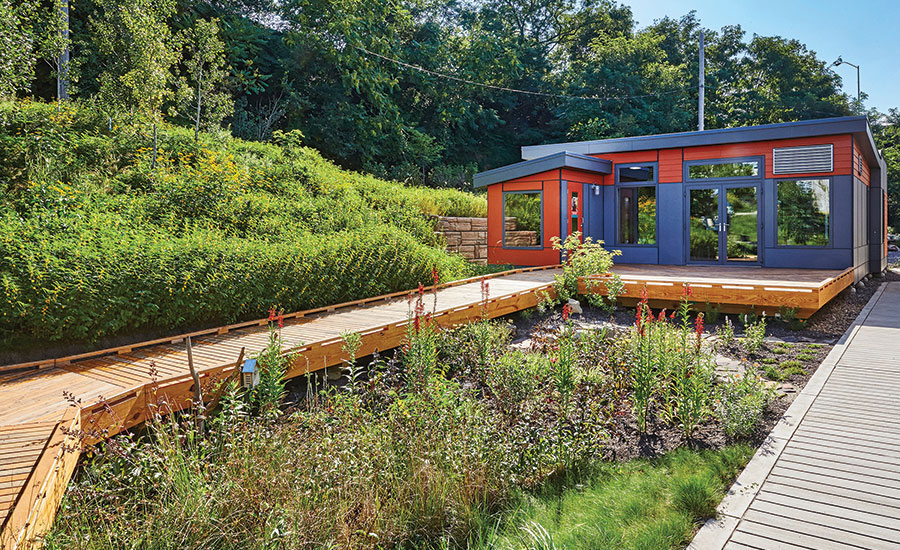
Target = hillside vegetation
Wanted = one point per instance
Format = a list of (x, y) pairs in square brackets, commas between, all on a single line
[(95, 242)]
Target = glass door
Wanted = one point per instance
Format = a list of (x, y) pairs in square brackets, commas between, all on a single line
[(741, 224), (723, 224), (703, 224)]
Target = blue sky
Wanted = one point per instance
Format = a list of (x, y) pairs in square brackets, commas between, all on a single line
[(864, 32)]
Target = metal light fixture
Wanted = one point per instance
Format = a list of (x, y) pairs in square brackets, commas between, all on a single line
[(840, 61)]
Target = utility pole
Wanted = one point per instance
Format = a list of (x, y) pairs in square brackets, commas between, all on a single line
[(702, 84)]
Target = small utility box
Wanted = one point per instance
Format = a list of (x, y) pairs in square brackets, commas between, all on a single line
[(249, 374)]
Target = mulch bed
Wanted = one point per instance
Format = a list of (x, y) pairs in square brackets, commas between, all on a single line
[(782, 344)]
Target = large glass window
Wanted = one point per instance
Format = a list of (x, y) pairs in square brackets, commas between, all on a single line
[(739, 169), (522, 219), (804, 208), (637, 215)]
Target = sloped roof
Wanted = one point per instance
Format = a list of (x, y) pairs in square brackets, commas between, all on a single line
[(553, 161)]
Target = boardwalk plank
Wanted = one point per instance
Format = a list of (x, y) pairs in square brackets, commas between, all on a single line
[(833, 532), (779, 538), (888, 526)]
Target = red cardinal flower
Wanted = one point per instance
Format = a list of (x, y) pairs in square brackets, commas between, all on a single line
[(272, 314), (686, 290), (434, 276), (280, 320), (566, 311)]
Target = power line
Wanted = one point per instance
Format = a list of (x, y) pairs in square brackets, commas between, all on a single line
[(504, 88)]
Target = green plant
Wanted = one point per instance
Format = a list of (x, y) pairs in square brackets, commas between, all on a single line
[(350, 344), (789, 368), (814, 346), (725, 332), (740, 404), (749, 317), (712, 312), (215, 234), (754, 334), (780, 350), (805, 356), (768, 360), (787, 314), (580, 259), (773, 373), (697, 495), (272, 363)]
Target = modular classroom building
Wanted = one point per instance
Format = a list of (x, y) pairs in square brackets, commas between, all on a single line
[(810, 195)]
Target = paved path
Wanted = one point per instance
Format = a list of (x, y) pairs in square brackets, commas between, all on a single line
[(828, 477)]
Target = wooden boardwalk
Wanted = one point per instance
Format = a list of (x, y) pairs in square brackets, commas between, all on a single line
[(829, 475), (44, 404)]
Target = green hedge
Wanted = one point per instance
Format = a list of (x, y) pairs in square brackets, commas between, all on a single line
[(95, 243)]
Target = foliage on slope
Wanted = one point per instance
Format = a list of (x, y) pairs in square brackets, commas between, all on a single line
[(95, 242)]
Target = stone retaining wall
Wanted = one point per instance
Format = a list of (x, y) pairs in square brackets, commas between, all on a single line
[(466, 236)]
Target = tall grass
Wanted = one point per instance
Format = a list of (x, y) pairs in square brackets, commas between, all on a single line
[(642, 504)]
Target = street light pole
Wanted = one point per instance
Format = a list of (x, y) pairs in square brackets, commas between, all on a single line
[(839, 61)]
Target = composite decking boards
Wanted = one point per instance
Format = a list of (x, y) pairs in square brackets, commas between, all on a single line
[(836, 484), (36, 405)]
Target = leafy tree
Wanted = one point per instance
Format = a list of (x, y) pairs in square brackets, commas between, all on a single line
[(17, 47), (887, 135), (205, 73), (141, 52)]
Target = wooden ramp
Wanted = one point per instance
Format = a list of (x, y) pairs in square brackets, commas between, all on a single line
[(732, 289), (829, 475), (45, 405)]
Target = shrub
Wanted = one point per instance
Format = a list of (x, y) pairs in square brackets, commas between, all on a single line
[(741, 402), (581, 259), (97, 244)]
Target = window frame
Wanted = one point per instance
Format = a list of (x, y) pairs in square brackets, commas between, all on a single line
[(619, 185), (830, 244), (760, 170), (540, 245)]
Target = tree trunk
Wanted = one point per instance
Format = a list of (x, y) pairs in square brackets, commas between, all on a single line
[(62, 69), (153, 162), (199, 99)]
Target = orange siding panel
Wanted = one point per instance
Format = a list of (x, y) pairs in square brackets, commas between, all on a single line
[(670, 166), (581, 177)]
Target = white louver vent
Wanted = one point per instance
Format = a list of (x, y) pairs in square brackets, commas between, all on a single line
[(803, 160)]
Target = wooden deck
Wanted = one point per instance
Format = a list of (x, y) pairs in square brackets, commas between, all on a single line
[(829, 475), (732, 289), (112, 390)]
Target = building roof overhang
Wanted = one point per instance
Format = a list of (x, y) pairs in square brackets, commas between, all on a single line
[(858, 126), (552, 161)]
